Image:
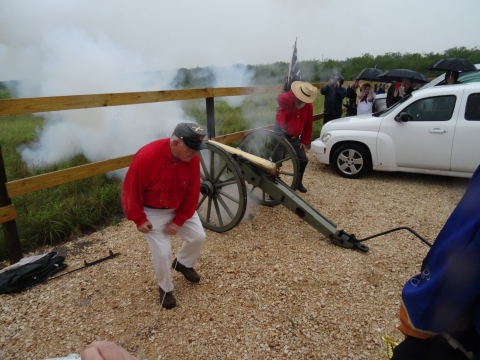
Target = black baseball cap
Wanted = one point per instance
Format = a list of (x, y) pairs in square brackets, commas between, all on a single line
[(191, 134)]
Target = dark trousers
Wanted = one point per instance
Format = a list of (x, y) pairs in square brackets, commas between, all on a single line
[(351, 112), (437, 348), (301, 155), (329, 117)]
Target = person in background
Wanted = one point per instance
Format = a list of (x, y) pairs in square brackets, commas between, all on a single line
[(451, 77), (381, 89), (365, 100), (294, 121), (440, 307), (404, 90), (351, 97), (334, 94), (390, 92), (160, 195)]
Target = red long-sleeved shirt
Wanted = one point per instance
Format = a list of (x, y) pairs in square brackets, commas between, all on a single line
[(295, 121), (155, 179)]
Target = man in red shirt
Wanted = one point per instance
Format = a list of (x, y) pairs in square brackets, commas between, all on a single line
[(160, 195), (294, 121)]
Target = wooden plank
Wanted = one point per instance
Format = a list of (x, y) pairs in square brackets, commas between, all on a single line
[(7, 213), (39, 182), (71, 102), (56, 103)]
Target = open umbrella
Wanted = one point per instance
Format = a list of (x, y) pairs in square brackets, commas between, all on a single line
[(399, 74), (370, 74), (452, 65)]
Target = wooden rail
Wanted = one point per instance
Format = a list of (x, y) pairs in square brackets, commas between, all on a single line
[(11, 189), (57, 103)]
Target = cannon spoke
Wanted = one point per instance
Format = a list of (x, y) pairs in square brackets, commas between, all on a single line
[(219, 214), (226, 208), (228, 196)]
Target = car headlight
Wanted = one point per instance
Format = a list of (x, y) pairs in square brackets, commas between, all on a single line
[(326, 136)]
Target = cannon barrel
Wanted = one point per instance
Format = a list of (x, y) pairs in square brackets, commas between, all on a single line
[(263, 164)]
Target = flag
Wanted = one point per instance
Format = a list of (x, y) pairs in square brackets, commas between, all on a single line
[(293, 70)]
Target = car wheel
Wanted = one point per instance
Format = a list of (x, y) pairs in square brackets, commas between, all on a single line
[(351, 161)]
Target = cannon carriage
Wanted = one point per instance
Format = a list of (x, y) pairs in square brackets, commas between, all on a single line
[(264, 167)]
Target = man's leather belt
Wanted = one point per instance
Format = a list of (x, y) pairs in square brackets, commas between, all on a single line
[(290, 137), (153, 207)]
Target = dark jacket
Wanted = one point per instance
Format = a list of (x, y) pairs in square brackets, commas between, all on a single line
[(390, 92), (397, 98), (333, 99), (351, 101)]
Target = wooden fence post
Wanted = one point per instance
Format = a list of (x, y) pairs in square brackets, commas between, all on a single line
[(12, 240), (210, 117)]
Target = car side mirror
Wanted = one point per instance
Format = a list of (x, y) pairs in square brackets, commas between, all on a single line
[(403, 117)]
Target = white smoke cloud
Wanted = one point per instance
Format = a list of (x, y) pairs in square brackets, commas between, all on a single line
[(235, 76)]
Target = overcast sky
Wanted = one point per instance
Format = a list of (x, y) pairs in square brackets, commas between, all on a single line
[(64, 47), (156, 34)]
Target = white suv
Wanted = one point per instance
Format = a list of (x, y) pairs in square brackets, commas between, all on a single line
[(435, 130)]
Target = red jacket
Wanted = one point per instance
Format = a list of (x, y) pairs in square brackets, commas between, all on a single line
[(155, 179), (295, 121)]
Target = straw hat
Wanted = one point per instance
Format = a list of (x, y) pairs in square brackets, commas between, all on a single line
[(304, 91)]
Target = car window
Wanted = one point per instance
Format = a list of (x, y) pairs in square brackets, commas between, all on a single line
[(472, 110), (439, 108), (392, 108)]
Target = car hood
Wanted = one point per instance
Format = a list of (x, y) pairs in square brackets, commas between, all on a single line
[(360, 122)]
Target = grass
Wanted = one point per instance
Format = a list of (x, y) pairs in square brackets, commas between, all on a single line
[(56, 214)]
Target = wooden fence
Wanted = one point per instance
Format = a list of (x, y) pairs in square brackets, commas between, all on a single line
[(9, 190)]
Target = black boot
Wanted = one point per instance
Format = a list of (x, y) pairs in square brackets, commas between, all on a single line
[(300, 187)]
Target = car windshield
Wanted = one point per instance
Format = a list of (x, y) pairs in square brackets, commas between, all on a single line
[(391, 108), (469, 76), (464, 77)]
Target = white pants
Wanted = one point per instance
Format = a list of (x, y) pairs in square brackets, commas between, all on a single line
[(192, 234)]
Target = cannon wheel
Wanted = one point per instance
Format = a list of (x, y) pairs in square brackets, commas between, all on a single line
[(223, 195), (271, 146)]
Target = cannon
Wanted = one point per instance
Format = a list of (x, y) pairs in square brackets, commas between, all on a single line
[(265, 168)]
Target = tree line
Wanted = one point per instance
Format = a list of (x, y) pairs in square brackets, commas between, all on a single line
[(320, 71)]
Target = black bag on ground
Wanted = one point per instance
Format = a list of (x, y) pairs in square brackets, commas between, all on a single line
[(22, 277)]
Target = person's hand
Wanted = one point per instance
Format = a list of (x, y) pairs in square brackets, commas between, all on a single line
[(106, 350), (145, 227), (303, 146), (395, 93), (330, 82), (171, 228)]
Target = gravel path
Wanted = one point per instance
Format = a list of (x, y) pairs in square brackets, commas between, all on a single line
[(271, 288)]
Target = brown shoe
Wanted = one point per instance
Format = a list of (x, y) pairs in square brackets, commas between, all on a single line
[(167, 300), (189, 273)]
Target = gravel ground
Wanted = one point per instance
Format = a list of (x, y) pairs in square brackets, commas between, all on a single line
[(271, 288)]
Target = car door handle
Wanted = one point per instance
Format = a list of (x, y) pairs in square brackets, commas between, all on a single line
[(437, 131)]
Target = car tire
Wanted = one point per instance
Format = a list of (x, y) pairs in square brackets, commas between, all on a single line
[(352, 160)]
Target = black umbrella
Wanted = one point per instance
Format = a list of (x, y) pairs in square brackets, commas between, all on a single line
[(399, 74), (452, 65), (370, 74)]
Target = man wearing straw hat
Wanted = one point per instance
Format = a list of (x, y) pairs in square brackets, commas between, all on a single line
[(294, 121)]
